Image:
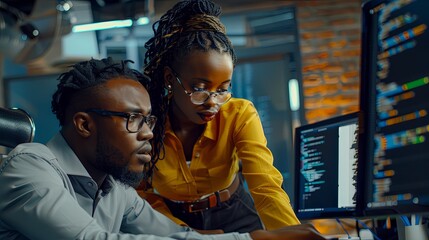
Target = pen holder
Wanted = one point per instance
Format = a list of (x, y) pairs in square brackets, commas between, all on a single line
[(416, 232)]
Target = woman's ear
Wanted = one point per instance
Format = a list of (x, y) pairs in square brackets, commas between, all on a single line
[(168, 76), (168, 80), (84, 124)]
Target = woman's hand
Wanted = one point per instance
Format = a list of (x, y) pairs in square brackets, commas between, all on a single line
[(294, 232)]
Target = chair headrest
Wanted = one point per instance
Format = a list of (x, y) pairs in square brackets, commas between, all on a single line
[(16, 127)]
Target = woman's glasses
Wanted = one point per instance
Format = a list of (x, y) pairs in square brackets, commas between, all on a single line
[(199, 97)]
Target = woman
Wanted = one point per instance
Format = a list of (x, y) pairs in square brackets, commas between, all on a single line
[(207, 133)]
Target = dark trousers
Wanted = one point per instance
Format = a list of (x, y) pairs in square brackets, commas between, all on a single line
[(238, 214)]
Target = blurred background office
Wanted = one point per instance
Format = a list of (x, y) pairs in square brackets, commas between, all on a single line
[(298, 60)]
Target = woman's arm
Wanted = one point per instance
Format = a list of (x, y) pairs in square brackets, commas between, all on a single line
[(263, 179), (295, 232)]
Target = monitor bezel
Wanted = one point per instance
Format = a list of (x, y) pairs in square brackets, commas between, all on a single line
[(341, 213)]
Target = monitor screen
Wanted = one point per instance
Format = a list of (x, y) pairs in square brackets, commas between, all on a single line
[(326, 167), (394, 102)]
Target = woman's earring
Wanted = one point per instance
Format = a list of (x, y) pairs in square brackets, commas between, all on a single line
[(167, 90)]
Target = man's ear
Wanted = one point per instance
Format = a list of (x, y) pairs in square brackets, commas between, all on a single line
[(83, 124)]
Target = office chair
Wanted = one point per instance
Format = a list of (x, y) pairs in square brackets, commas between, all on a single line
[(16, 126)]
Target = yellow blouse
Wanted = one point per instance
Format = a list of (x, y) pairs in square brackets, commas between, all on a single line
[(235, 133)]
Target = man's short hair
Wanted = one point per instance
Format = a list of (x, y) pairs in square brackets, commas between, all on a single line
[(85, 75)]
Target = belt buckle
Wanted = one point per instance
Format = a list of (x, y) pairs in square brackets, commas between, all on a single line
[(212, 202), (191, 207)]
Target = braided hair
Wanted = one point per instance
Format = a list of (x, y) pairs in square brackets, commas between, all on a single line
[(190, 25)]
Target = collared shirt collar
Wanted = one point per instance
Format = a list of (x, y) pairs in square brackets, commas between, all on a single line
[(67, 159), (71, 164), (210, 131)]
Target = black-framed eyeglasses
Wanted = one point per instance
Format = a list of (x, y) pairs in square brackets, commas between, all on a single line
[(135, 121), (199, 97)]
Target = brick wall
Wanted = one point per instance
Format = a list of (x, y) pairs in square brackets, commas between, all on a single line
[(330, 49)]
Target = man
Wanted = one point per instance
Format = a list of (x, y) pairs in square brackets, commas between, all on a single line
[(78, 185)]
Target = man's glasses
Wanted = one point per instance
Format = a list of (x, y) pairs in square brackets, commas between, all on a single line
[(135, 121), (199, 97)]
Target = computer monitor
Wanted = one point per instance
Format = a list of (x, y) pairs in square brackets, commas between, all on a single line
[(325, 160), (393, 144)]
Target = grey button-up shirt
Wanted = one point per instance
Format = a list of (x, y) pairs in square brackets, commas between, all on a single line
[(46, 193)]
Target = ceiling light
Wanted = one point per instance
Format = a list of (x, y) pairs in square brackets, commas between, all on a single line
[(102, 25), (142, 21), (294, 95), (64, 6), (109, 25)]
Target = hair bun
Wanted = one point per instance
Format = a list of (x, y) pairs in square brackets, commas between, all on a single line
[(192, 7), (206, 7)]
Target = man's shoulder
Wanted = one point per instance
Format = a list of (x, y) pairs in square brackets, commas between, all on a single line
[(31, 163), (32, 149), (29, 154)]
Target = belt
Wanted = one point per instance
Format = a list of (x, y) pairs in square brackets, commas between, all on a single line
[(209, 201)]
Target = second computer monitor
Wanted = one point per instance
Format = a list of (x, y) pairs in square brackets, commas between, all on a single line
[(394, 104), (326, 168)]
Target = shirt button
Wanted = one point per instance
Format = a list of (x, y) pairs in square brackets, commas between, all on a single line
[(197, 155), (90, 184)]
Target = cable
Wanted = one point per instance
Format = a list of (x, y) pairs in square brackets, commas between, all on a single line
[(405, 220), (341, 224), (366, 227), (357, 228)]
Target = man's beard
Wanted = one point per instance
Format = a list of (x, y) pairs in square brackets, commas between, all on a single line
[(111, 161)]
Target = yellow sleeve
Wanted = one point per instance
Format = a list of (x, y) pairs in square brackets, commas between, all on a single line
[(157, 203), (263, 179)]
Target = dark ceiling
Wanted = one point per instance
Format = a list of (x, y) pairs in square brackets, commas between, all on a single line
[(104, 10), (115, 9)]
